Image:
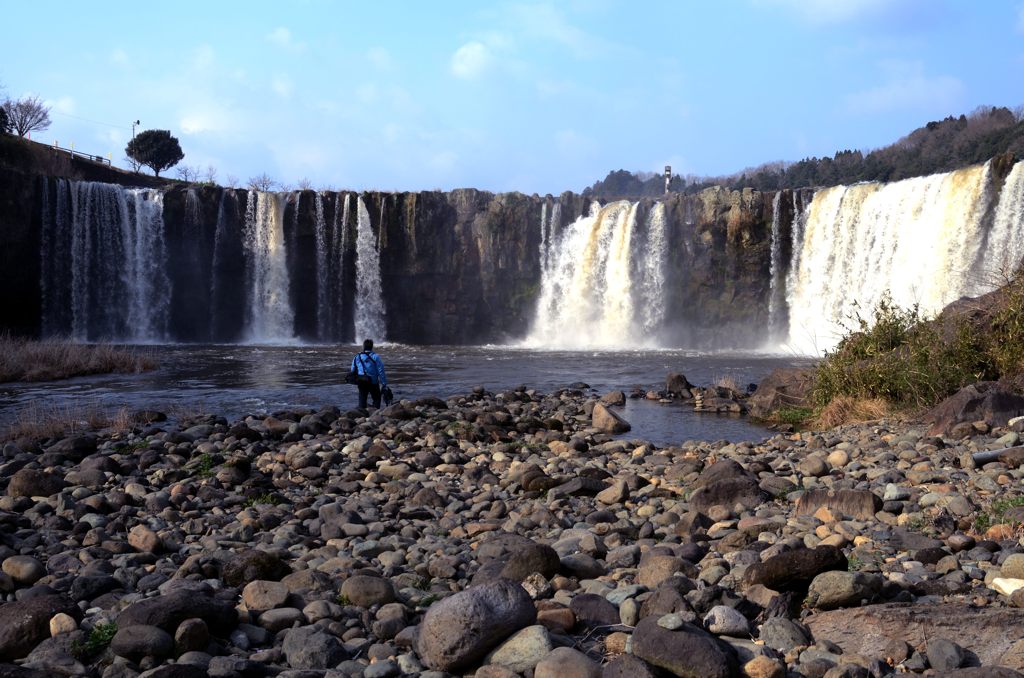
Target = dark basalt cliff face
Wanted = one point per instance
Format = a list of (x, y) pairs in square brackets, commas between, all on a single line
[(456, 267)]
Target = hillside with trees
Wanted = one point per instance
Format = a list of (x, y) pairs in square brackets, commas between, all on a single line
[(939, 146)]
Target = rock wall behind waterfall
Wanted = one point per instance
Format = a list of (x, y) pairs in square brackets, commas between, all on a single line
[(457, 267), (721, 269)]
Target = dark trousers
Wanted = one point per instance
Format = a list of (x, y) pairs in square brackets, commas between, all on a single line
[(369, 389)]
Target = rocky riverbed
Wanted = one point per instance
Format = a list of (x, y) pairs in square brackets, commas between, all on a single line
[(504, 534)]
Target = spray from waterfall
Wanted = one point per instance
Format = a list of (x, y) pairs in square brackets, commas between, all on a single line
[(370, 312), (270, 317), (916, 240)]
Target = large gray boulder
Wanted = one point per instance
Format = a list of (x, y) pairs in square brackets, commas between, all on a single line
[(26, 623), (688, 651), (463, 628)]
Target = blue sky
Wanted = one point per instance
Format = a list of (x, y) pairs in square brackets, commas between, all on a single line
[(538, 97)]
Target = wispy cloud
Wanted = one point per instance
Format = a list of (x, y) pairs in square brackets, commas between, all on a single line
[(548, 23), (380, 58), (471, 60), (283, 38), (906, 86), (1020, 18), (282, 86)]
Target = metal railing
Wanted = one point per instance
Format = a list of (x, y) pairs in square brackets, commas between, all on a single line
[(78, 154)]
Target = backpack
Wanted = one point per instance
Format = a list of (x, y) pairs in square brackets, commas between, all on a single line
[(354, 377)]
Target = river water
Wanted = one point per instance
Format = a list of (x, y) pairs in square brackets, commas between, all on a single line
[(234, 381)]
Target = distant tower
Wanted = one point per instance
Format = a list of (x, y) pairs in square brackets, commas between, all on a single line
[(668, 177)]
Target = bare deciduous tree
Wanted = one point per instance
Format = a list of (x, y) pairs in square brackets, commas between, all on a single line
[(210, 177), (187, 173), (261, 182), (305, 184), (26, 115)]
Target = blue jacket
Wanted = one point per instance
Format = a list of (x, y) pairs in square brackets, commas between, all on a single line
[(370, 364)]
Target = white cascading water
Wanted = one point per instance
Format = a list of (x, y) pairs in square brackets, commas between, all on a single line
[(270, 316), (652, 272), (105, 264), (775, 286), (588, 296), (1005, 245), (369, 315), (916, 240)]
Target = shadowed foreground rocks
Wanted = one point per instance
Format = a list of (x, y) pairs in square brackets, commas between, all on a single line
[(507, 534)]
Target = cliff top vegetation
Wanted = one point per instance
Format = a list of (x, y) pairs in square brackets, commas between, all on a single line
[(939, 146)]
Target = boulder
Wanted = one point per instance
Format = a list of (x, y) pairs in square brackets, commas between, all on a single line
[(250, 565), (858, 504), (784, 387), (26, 623), (794, 569), (311, 647), (33, 483), (608, 421), (461, 629), (726, 483), (986, 401), (678, 385), (687, 651), (169, 610), (511, 556), (868, 630), (834, 589)]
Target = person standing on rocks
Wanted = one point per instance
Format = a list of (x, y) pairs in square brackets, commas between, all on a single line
[(370, 376)]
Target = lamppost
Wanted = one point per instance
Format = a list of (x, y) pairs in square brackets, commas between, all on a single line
[(134, 123)]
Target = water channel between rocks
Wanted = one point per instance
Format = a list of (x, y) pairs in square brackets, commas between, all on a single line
[(237, 380)]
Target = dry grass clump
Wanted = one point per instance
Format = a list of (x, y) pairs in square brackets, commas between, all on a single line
[(36, 422), (30, 360), (848, 410)]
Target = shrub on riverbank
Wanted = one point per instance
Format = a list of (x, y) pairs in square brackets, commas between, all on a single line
[(911, 363), (29, 360)]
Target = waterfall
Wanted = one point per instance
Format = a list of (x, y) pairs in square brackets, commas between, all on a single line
[(270, 317), (193, 209), (596, 291), (1006, 240), (323, 300), (775, 286), (369, 315), (916, 240), (652, 272), (104, 272)]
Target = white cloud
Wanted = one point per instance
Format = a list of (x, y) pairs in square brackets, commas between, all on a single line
[(119, 57), (471, 60), (907, 86), (283, 38), (281, 86), (64, 105), (380, 58), (548, 24)]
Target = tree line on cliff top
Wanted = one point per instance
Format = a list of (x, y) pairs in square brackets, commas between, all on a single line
[(939, 146)]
